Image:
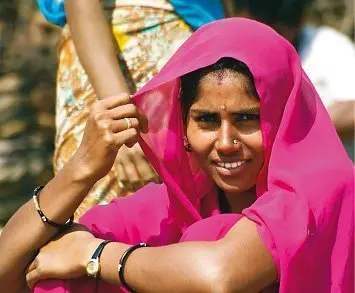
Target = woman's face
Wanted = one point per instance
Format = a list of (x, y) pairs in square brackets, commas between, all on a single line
[(223, 129)]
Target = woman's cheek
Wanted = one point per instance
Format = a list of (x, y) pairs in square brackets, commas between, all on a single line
[(254, 143), (201, 141)]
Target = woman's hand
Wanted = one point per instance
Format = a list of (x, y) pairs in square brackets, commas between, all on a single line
[(134, 170), (63, 258), (112, 122)]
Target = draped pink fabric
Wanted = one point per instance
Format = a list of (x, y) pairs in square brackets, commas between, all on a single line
[(305, 206)]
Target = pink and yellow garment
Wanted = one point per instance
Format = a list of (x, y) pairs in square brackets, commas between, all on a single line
[(147, 34), (305, 206)]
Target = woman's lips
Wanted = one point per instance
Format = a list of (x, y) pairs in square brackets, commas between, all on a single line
[(230, 168)]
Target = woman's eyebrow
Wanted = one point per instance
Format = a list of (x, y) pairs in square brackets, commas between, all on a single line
[(201, 111), (248, 110)]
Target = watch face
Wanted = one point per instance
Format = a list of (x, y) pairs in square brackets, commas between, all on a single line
[(92, 267)]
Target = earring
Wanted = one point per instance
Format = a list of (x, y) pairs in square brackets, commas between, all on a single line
[(187, 145), (235, 141)]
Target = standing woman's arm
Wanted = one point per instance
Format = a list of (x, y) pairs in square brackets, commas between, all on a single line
[(95, 46), (96, 50), (228, 7)]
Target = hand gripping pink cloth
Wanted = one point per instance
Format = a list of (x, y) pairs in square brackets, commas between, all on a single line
[(305, 206)]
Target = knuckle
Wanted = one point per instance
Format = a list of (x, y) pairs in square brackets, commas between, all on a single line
[(95, 106), (39, 267), (151, 176), (108, 139), (104, 125), (124, 97), (139, 158), (124, 159), (98, 116), (133, 132), (95, 117), (35, 261), (135, 122)]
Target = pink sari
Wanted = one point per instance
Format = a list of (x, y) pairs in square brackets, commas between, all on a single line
[(305, 206)]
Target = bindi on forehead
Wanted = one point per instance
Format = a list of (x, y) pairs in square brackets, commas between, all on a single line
[(219, 77)]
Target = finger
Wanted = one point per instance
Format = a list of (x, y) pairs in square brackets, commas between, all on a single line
[(122, 176), (124, 124), (145, 171), (32, 266), (125, 137), (127, 110), (32, 278), (132, 173), (115, 101)]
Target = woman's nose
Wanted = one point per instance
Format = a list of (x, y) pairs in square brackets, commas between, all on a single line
[(226, 139)]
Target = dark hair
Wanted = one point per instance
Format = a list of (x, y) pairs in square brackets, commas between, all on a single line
[(288, 12), (190, 82)]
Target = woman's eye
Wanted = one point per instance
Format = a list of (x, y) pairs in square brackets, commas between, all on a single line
[(206, 118), (248, 117), (244, 117)]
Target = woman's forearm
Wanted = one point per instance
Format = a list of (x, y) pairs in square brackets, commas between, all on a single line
[(237, 263), (184, 267), (95, 46), (25, 232)]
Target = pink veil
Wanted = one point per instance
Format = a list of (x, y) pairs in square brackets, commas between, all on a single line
[(305, 206)]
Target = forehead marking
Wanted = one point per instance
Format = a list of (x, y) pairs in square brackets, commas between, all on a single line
[(219, 77)]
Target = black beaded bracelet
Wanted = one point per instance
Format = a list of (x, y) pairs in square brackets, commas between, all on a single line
[(67, 224), (122, 263)]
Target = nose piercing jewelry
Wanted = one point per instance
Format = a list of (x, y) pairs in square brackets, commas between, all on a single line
[(223, 107), (235, 141)]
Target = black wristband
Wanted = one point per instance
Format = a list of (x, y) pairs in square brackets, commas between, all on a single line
[(67, 224), (100, 248), (122, 263)]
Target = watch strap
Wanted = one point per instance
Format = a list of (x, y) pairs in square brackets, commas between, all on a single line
[(99, 249)]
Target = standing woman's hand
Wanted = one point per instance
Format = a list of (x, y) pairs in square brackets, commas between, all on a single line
[(112, 122), (134, 170)]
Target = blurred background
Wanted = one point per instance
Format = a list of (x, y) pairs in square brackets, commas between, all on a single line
[(28, 63)]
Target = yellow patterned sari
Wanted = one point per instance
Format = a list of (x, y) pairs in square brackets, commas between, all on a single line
[(147, 32)]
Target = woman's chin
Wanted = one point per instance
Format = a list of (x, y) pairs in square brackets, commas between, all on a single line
[(232, 188), (231, 184)]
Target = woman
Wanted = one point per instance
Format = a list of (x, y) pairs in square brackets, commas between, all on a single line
[(252, 122), (93, 65)]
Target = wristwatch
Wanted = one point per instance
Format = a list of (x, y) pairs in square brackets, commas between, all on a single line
[(93, 266)]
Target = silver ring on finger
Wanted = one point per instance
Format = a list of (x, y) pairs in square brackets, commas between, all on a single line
[(129, 123)]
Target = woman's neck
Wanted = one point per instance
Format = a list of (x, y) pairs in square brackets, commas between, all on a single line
[(240, 201)]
